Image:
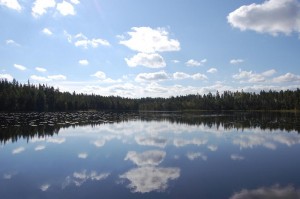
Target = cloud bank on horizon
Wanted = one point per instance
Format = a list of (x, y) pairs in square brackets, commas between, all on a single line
[(133, 50)]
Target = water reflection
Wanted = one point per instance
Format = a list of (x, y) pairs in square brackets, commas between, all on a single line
[(151, 156), (274, 192)]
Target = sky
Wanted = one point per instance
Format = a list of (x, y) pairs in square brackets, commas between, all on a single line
[(135, 48)]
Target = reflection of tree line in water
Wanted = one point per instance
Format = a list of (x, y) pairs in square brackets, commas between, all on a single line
[(14, 126)]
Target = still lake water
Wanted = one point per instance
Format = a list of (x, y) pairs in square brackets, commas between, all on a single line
[(149, 155)]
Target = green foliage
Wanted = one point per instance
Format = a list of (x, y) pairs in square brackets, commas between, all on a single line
[(27, 97)]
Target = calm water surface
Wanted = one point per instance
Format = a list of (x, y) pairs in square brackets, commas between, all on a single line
[(166, 155)]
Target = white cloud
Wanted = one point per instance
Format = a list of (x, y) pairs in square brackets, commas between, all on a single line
[(83, 62), (212, 147), (193, 156), (195, 141), (45, 187), (39, 148), (11, 42), (193, 62), (147, 158), (40, 69), (274, 192), (46, 31), (82, 155), (56, 140), (236, 157), (40, 7), (272, 17), (8, 77), (236, 61), (65, 8), (83, 41), (12, 4), (20, 67), (79, 178), (175, 61), (151, 141), (212, 70), (199, 76), (148, 179), (249, 76), (156, 76), (39, 78), (148, 40), (150, 60), (75, 1), (180, 75), (288, 77), (18, 150), (100, 75), (57, 77)]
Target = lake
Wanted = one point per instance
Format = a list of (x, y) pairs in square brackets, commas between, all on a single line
[(232, 155)]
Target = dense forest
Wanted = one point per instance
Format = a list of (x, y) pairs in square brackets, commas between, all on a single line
[(28, 97)]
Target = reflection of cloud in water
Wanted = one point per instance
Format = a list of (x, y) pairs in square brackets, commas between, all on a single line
[(195, 141), (151, 141), (236, 157), (212, 147), (147, 179), (99, 143), (274, 192), (8, 176), (18, 150), (150, 158), (39, 148), (56, 140), (80, 178), (82, 155), (45, 187), (267, 140), (193, 156)]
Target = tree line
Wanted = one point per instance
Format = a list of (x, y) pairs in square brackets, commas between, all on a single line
[(15, 96)]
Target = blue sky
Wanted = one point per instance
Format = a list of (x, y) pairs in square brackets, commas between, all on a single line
[(135, 48)]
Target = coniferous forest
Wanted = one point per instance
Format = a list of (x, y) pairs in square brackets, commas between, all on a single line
[(28, 97)]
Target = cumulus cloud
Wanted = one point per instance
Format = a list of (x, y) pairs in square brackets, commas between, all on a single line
[(18, 150), (82, 155), (249, 76), (148, 40), (147, 158), (212, 70), (12, 4), (274, 192), (19, 67), (151, 141), (39, 78), (8, 77), (180, 75), (46, 31), (45, 187), (236, 157), (272, 17), (79, 178), (100, 75), (288, 77), (148, 179), (40, 7), (193, 156), (80, 40), (156, 76), (40, 69), (39, 148), (65, 8), (199, 76), (193, 62), (57, 77), (183, 142), (12, 42), (150, 60), (83, 62), (236, 61)]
